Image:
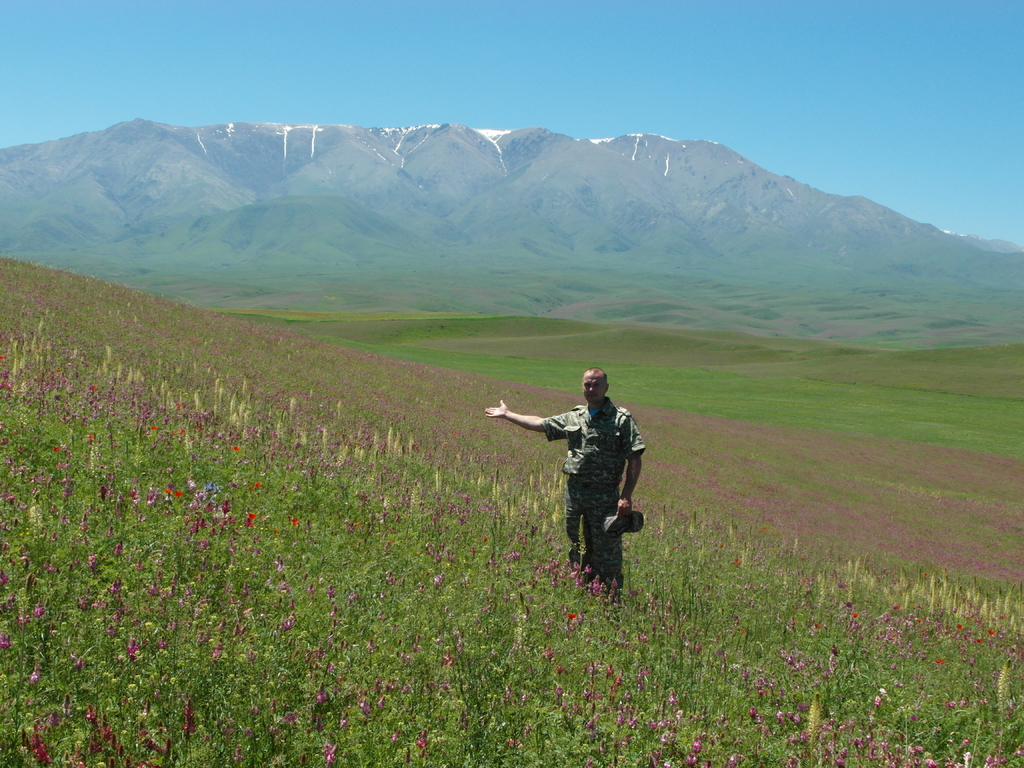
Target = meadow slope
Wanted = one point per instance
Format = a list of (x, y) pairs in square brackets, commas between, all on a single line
[(231, 543)]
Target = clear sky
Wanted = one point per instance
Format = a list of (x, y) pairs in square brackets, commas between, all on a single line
[(915, 105)]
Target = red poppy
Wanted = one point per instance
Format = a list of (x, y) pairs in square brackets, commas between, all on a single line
[(940, 661), (571, 616), (959, 626), (237, 448), (295, 521), (991, 631), (856, 615), (56, 447), (178, 493), (252, 515), (93, 387)]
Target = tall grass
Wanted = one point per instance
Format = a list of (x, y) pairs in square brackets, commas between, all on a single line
[(227, 545)]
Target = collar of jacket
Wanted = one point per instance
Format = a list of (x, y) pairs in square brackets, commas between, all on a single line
[(608, 409)]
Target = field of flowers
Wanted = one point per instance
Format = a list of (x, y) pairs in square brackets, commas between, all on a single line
[(222, 544)]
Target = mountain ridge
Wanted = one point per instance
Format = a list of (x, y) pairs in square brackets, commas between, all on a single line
[(142, 196)]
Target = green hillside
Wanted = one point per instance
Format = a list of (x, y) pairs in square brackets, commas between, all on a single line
[(230, 544), (897, 319), (965, 397), (316, 232)]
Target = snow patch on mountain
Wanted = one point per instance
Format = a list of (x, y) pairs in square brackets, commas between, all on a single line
[(999, 246), (284, 130), (402, 133), (491, 134), (405, 130)]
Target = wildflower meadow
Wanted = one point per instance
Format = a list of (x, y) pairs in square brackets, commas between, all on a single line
[(223, 544)]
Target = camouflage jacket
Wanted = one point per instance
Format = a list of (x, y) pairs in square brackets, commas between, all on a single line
[(599, 446)]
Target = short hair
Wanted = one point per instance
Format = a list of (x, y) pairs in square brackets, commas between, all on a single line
[(597, 372)]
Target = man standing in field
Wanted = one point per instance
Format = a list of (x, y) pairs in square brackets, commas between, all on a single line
[(603, 440)]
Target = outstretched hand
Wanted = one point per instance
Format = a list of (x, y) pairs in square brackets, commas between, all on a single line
[(534, 423), (497, 413)]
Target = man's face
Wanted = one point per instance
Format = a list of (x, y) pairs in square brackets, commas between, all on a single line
[(594, 389)]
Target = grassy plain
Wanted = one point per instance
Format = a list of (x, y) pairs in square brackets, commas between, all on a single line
[(226, 543), (910, 315), (970, 398)]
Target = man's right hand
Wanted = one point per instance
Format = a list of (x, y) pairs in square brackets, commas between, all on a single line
[(497, 413), (533, 423)]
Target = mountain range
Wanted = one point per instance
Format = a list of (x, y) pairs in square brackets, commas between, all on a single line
[(258, 203)]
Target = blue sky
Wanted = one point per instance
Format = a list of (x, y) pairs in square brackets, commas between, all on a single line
[(918, 106)]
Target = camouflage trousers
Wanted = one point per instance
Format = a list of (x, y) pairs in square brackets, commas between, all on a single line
[(586, 507)]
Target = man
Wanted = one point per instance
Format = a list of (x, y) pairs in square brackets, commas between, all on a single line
[(603, 439)]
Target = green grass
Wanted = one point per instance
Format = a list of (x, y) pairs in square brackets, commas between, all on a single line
[(908, 315), (302, 316), (987, 424), (231, 544), (836, 482), (939, 397)]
